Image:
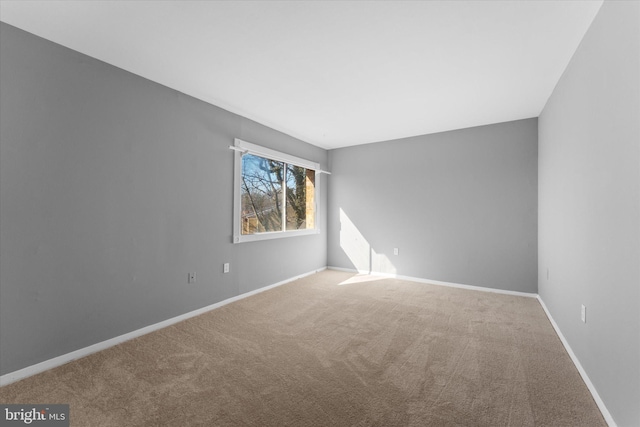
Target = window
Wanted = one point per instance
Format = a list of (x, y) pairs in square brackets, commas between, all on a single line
[(275, 194)]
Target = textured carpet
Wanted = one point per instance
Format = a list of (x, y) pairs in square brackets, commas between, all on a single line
[(332, 349)]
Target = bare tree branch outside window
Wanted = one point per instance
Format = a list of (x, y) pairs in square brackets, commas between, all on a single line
[(271, 188)]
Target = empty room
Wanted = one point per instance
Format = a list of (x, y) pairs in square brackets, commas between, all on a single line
[(320, 213)]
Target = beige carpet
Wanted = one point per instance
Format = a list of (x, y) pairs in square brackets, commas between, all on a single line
[(333, 350)]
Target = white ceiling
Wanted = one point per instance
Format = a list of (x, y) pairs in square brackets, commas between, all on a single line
[(333, 73)]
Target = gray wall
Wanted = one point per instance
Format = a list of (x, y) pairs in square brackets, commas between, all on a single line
[(112, 189), (460, 206), (589, 206)]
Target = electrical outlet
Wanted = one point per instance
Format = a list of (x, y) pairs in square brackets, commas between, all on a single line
[(583, 314), (191, 278), (225, 267), (396, 251)]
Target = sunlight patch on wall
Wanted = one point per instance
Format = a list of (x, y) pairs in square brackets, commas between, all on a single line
[(362, 255)]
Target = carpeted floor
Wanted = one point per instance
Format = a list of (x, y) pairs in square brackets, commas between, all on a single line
[(332, 349)]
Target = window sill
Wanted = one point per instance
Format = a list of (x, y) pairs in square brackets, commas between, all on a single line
[(273, 235)]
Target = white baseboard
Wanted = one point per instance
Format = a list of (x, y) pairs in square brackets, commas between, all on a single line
[(437, 282), (603, 409), (65, 358)]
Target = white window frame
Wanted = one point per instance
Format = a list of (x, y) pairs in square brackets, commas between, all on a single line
[(244, 147)]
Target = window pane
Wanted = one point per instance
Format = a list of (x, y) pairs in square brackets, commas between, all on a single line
[(261, 194), (300, 198)]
